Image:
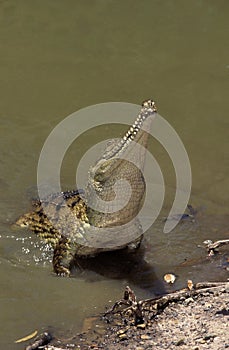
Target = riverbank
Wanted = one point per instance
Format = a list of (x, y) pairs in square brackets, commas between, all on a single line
[(193, 318)]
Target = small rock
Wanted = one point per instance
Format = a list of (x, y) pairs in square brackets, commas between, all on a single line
[(180, 342), (121, 331), (209, 336), (188, 301), (141, 326), (207, 306), (145, 337), (227, 288), (122, 336)]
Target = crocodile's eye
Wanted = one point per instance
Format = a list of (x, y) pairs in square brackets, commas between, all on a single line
[(102, 170), (22, 222), (99, 175)]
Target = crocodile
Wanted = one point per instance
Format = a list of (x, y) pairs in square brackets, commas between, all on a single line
[(75, 223)]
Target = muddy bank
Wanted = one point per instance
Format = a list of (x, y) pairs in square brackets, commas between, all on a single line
[(196, 318)]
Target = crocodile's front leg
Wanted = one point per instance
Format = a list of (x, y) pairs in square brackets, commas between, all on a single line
[(63, 257)]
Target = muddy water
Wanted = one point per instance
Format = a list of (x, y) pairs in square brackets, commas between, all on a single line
[(59, 57)]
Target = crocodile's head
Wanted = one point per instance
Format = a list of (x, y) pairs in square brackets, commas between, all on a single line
[(24, 221), (121, 165)]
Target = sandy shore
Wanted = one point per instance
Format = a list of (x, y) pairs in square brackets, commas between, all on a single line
[(191, 320)]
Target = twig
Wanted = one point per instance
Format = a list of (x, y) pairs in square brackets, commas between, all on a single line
[(131, 303), (212, 246)]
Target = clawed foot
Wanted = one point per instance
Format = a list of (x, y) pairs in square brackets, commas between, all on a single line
[(62, 271)]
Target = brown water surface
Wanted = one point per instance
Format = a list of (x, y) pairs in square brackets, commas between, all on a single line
[(57, 57)]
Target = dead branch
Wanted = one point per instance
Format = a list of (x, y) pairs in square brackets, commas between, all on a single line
[(130, 301), (212, 246), (42, 340), (158, 304)]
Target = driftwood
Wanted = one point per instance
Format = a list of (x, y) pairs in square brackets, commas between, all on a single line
[(131, 303), (212, 246), (191, 291), (158, 304), (40, 341)]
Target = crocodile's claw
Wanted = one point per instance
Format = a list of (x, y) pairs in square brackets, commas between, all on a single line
[(62, 271)]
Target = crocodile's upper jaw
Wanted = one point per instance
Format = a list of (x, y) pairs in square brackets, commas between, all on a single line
[(123, 159)]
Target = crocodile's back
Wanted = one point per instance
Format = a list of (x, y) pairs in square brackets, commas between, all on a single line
[(58, 215)]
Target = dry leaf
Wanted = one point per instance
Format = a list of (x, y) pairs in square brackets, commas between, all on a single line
[(169, 278), (30, 336), (190, 284)]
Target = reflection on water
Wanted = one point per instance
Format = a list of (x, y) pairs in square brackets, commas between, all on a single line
[(59, 57)]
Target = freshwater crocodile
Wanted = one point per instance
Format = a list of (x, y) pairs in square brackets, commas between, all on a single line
[(73, 222)]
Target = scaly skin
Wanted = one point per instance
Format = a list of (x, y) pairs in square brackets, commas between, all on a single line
[(68, 222)]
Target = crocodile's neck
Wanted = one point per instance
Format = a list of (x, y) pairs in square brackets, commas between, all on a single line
[(122, 160)]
